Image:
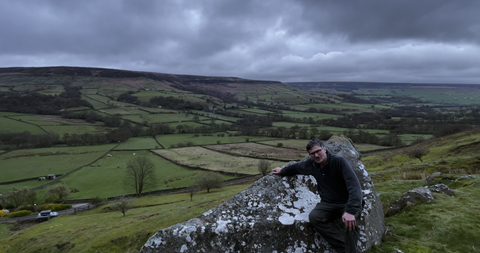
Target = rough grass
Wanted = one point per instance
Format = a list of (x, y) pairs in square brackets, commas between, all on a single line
[(288, 143), (455, 154), (260, 151), (448, 224), (211, 160), (103, 231)]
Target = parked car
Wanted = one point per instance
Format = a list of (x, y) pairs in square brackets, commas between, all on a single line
[(46, 214)]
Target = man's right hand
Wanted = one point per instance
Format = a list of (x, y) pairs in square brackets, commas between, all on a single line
[(277, 171)]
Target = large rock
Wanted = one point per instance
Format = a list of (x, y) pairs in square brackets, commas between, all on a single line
[(416, 196), (271, 216)]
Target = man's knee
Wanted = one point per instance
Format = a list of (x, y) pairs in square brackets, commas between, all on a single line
[(316, 218)]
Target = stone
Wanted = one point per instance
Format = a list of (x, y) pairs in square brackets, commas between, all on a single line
[(272, 216), (430, 178), (465, 177), (441, 188), (412, 197), (416, 196)]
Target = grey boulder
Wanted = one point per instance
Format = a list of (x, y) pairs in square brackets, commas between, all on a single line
[(271, 216)]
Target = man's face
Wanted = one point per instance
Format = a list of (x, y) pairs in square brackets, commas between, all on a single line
[(318, 154)]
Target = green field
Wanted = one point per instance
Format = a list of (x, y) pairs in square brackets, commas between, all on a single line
[(21, 185), (27, 163), (105, 177), (16, 126), (96, 104)]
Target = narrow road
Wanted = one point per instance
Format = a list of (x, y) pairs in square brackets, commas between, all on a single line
[(81, 206)]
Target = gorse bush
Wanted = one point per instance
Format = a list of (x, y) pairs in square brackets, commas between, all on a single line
[(53, 207), (18, 214)]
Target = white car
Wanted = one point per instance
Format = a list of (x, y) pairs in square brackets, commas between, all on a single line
[(46, 214)]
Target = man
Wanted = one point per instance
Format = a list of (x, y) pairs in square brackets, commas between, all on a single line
[(339, 190)]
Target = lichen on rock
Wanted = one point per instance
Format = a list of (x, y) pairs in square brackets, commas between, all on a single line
[(271, 216)]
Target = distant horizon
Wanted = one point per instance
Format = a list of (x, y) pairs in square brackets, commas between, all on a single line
[(330, 81)]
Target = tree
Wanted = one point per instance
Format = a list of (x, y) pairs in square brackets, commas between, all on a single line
[(264, 167), (418, 153), (15, 197), (192, 190), (209, 180), (140, 175), (56, 193), (122, 205), (30, 196)]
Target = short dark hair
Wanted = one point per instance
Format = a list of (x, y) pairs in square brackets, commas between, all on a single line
[(314, 142)]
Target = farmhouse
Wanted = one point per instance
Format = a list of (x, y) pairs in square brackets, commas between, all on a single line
[(51, 176)]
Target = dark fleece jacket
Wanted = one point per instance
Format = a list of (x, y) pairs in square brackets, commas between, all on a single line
[(339, 184)]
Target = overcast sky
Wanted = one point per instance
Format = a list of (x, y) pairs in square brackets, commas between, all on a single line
[(283, 40)]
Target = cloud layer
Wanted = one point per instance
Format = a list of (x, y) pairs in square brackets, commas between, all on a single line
[(288, 40)]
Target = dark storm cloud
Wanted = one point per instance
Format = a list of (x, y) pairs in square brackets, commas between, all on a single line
[(431, 20), (371, 40)]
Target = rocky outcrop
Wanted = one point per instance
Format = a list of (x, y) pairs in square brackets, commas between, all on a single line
[(441, 188), (271, 216), (430, 178), (416, 196)]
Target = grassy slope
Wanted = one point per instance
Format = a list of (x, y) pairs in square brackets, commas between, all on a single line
[(100, 231), (448, 224)]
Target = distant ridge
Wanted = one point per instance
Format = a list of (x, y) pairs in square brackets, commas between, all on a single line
[(117, 73), (366, 85)]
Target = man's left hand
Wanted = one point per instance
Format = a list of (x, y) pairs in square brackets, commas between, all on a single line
[(349, 221)]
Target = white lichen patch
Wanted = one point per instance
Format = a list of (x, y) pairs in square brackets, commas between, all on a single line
[(222, 226), (184, 248)]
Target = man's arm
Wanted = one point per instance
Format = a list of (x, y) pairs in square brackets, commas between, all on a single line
[(292, 170), (354, 203), (277, 171)]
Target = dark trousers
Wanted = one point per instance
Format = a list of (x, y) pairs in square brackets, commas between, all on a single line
[(323, 218)]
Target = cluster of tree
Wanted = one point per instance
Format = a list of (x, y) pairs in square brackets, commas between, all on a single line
[(175, 103), (17, 197), (36, 103), (127, 97), (27, 140), (92, 117)]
